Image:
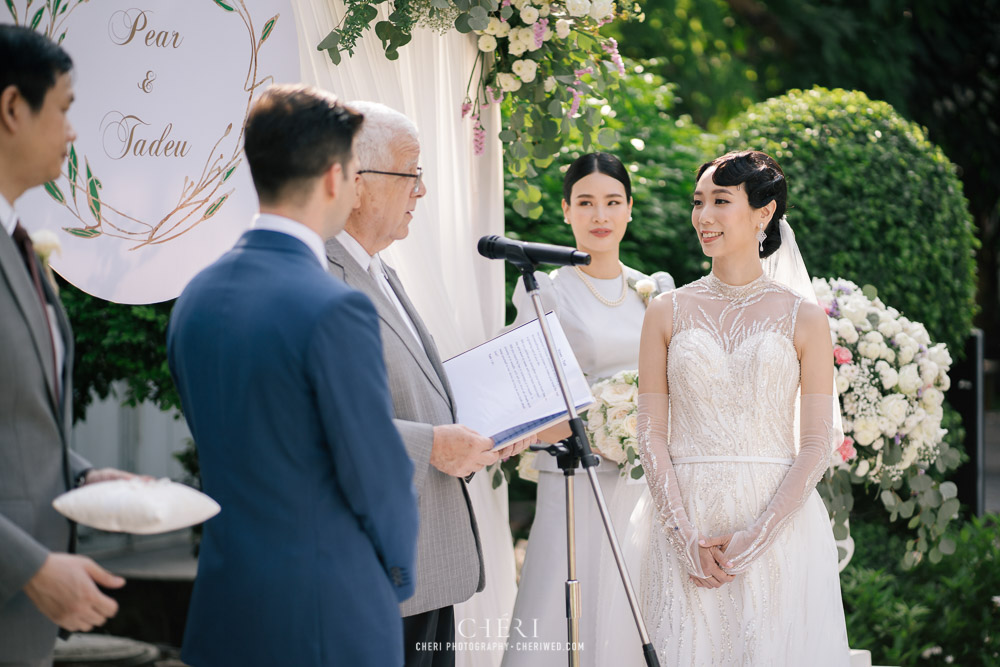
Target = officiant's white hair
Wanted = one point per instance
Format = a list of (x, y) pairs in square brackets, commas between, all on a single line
[(381, 130)]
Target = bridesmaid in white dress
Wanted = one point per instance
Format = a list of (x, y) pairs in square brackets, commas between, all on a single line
[(741, 565), (602, 315)]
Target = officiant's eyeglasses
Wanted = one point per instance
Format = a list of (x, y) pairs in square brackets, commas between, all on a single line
[(416, 184)]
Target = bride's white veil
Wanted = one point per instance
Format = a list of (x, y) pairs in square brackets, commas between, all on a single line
[(786, 267)]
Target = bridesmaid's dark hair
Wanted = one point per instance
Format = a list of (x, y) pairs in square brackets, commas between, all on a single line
[(764, 182), (602, 163)]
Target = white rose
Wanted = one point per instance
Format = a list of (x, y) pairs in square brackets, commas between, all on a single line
[(874, 337), (914, 418), (909, 379), (943, 381), (508, 82), (889, 328), (862, 468), (520, 4), (487, 43), (550, 84), (878, 443), (544, 9), (516, 47), (887, 426), (578, 7), (866, 430), (525, 69), (631, 425), (939, 355), (600, 9), (529, 15), (595, 418), (618, 394), (869, 350), (645, 287), (889, 377), (46, 242), (894, 407), (843, 384), (562, 28), (503, 29), (849, 371), (929, 430), (928, 371), (608, 446), (931, 398), (493, 26), (906, 353), (919, 334), (854, 308), (887, 353), (909, 457), (846, 330)]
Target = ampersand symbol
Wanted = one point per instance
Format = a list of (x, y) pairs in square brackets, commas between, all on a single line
[(147, 85)]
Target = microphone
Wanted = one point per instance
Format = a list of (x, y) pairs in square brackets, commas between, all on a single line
[(521, 252)]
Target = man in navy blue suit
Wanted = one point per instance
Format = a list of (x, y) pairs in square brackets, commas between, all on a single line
[(279, 367)]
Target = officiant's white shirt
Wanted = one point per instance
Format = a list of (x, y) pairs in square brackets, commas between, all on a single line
[(365, 261), (283, 225)]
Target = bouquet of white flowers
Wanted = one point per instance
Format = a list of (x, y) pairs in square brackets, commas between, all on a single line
[(613, 419), (891, 379)]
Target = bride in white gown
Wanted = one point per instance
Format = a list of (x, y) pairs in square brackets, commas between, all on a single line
[(740, 565), (601, 314)]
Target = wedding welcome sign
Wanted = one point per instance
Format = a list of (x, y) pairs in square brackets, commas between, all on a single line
[(155, 186)]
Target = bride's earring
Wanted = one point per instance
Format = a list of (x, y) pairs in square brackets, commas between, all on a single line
[(761, 237)]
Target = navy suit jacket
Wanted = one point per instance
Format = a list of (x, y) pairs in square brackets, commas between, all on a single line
[(279, 367)]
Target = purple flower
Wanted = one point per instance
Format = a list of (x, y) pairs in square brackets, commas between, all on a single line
[(575, 106), (466, 107), (611, 47), (478, 136), (540, 27)]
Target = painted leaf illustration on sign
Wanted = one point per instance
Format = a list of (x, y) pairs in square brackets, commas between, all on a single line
[(56, 193), (268, 27), (93, 193), (213, 209), (74, 170), (223, 5), (83, 233), (37, 18), (229, 172), (13, 9)]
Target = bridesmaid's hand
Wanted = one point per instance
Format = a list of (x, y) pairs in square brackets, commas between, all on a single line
[(712, 561)]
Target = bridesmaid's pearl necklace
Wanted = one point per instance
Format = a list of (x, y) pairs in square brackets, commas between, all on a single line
[(600, 297)]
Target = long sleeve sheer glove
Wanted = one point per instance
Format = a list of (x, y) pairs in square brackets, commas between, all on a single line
[(816, 433), (659, 471)]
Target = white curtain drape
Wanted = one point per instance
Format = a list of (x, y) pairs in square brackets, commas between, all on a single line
[(459, 294)]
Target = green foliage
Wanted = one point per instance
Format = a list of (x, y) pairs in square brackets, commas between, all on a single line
[(935, 614), (661, 152), (873, 200), (119, 343)]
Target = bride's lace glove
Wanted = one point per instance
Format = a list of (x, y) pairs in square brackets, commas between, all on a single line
[(816, 431), (652, 440)]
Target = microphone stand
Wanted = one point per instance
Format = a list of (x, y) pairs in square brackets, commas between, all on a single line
[(569, 453)]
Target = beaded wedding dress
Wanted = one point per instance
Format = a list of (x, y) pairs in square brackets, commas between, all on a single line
[(721, 457)]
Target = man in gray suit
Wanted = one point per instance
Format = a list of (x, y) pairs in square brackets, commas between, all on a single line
[(449, 555), (40, 588)]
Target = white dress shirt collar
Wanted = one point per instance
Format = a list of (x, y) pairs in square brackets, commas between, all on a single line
[(355, 250), (277, 223), (7, 216)]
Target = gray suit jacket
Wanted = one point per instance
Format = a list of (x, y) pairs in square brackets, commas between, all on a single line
[(449, 555), (36, 463)]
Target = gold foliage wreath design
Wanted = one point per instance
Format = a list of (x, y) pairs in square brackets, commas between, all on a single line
[(199, 199)]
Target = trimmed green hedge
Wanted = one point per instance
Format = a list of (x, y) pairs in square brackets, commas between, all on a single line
[(872, 200)]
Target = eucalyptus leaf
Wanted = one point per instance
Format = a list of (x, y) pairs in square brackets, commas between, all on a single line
[(463, 5), (505, 12), (497, 477), (607, 137), (384, 30), (440, 4), (906, 508), (507, 136), (477, 12), (521, 207), (888, 499), (367, 13), (637, 472), (462, 24), (479, 23), (948, 490), (536, 213), (841, 532), (947, 546), (870, 291), (934, 556), (949, 508), (331, 41), (334, 56)]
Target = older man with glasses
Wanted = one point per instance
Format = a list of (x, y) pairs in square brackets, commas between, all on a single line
[(449, 556)]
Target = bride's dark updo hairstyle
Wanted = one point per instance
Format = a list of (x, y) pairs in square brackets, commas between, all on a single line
[(763, 181), (602, 163)]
